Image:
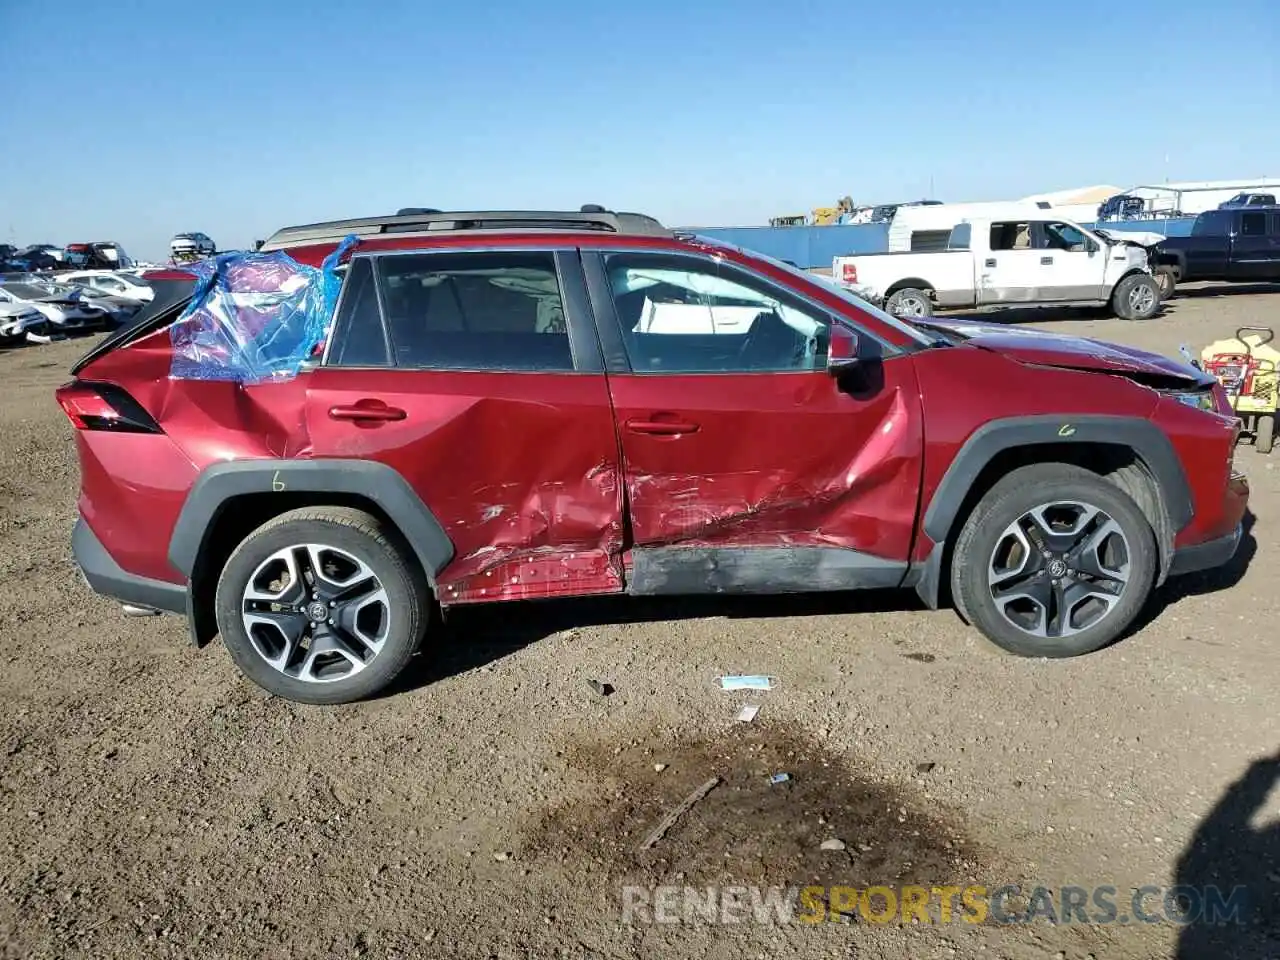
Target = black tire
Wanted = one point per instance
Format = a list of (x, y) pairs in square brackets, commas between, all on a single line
[(1166, 282), (382, 550), (1010, 498), (909, 302), (1264, 436), (1136, 297)]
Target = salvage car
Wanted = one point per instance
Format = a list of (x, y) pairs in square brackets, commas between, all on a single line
[(1010, 262), (525, 405), (62, 307), (186, 247), (21, 322), (1240, 245), (120, 283)]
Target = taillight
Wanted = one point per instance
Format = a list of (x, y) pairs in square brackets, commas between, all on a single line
[(849, 272), (104, 406)]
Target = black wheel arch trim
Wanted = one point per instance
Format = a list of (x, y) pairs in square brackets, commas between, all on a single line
[(1148, 442), (223, 482)]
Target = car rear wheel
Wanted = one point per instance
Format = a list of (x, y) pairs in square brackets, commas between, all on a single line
[(909, 302), (1054, 561), (1166, 282), (1136, 297), (322, 605)]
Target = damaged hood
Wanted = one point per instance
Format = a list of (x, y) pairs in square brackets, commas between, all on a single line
[(1072, 353), (1136, 238)]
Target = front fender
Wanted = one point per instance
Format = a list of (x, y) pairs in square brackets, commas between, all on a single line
[(1147, 441)]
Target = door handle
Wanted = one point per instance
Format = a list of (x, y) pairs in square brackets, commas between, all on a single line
[(366, 410), (991, 262), (662, 428), (1045, 261)]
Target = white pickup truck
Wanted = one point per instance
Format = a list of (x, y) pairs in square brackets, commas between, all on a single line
[(1009, 263)]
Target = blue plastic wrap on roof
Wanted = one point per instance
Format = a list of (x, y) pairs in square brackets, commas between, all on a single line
[(255, 317)]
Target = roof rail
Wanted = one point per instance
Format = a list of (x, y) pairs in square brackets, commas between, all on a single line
[(422, 220)]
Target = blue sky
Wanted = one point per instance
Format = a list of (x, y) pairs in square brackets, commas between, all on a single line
[(237, 118)]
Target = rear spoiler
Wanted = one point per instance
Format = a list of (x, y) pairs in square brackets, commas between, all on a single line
[(173, 292)]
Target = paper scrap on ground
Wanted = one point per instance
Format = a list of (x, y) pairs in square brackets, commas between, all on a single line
[(780, 778), (746, 683), (748, 714)]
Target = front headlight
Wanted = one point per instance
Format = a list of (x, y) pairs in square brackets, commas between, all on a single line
[(1200, 399)]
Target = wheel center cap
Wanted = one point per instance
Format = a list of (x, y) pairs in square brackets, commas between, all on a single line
[(1057, 568), (317, 611)]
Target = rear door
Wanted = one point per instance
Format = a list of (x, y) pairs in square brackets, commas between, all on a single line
[(1254, 247), (748, 468), (478, 376), (1072, 266), (1009, 270)]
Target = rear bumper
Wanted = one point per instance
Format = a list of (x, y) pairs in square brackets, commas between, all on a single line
[(108, 578), (1204, 556)]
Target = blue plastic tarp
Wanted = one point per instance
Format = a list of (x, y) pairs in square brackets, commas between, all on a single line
[(255, 317)]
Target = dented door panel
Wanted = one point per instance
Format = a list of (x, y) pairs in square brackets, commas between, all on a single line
[(777, 460), (520, 469)]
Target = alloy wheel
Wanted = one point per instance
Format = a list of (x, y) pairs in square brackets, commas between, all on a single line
[(316, 613), (1059, 569), (910, 307), (1141, 299)]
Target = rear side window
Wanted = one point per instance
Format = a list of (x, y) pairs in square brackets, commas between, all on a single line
[(445, 311), (1253, 224), (475, 311), (1011, 235), (960, 236)]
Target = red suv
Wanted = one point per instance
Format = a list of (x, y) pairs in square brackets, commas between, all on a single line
[(515, 406)]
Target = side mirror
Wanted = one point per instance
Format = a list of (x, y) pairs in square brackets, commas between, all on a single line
[(842, 351)]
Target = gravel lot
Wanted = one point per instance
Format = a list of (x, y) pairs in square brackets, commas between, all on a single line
[(152, 803)]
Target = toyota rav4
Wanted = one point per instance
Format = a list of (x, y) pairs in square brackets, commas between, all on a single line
[(522, 405)]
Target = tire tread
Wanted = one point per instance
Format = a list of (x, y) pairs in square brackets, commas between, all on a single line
[(394, 550)]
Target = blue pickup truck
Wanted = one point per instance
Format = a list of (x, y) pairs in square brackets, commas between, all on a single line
[(1239, 245)]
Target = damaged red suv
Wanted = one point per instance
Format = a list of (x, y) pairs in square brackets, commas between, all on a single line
[(514, 406)]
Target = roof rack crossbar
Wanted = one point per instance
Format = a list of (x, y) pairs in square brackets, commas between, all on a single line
[(422, 220)]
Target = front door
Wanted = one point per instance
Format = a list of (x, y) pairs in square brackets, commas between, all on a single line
[(1009, 272), (747, 467), (478, 377), (1072, 267)]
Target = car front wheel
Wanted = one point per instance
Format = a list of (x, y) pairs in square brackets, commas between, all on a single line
[(1136, 297), (910, 302), (322, 605), (1054, 561)]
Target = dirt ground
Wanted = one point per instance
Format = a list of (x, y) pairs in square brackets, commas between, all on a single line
[(153, 803)]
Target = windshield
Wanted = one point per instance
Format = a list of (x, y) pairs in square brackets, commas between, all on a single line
[(830, 284)]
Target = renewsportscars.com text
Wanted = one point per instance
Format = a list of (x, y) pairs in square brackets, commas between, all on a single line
[(973, 904)]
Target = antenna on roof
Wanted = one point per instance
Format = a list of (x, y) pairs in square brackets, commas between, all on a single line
[(592, 208)]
